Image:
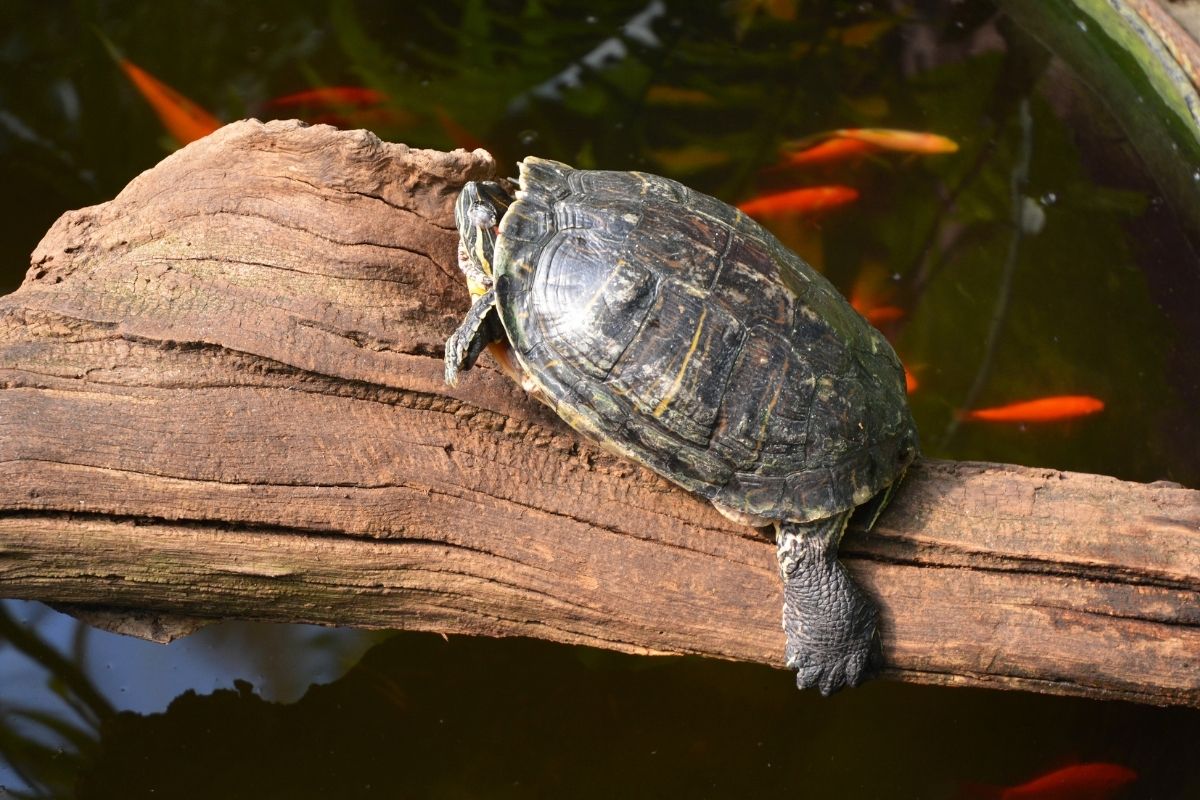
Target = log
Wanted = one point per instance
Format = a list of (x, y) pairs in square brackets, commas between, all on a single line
[(222, 397)]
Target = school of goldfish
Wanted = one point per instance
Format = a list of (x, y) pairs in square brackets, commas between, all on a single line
[(348, 106)]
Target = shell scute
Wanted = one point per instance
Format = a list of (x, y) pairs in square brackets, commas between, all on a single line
[(581, 302), (677, 363), (748, 284), (694, 252)]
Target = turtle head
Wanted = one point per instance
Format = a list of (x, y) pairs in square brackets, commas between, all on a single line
[(480, 207)]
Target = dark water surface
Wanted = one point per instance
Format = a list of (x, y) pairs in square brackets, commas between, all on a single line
[(1055, 253)]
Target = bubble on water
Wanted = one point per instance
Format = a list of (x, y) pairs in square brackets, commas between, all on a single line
[(1049, 199), (896, 276), (1082, 25), (527, 137), (591, 19), (1196, 176)]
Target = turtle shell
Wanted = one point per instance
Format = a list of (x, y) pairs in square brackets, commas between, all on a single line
[(674, 329)]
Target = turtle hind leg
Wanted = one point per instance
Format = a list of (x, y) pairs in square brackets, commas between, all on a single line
[(481, 326), (829, 621)]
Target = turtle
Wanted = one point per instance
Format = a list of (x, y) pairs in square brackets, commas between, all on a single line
[(670, 327)]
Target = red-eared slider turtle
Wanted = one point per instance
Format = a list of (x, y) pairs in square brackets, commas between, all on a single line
[(672, 328)]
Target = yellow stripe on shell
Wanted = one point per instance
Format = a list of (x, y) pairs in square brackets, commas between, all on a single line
[(670, 395)]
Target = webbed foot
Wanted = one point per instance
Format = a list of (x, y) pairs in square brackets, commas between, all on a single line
[(830, 623)]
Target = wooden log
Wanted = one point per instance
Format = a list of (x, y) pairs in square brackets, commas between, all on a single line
[(221, 397)]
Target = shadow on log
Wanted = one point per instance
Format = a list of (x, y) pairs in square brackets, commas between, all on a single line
[(222, 397)]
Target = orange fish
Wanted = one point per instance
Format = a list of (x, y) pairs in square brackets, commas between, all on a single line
[(872, 295), (1058, 408), (902, 141), (882, 315), (798, 201), (331, 96), (910, 381), (876, 315), (183, 119), (877, 139), (826, 151), (1095, 781)]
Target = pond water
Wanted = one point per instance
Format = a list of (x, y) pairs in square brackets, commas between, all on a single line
[(1052, 255)]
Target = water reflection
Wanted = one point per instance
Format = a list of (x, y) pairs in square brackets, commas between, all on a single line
[(422, 716), (63, 680)]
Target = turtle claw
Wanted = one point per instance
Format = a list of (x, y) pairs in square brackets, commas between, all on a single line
[(830, 624), (829, 672)]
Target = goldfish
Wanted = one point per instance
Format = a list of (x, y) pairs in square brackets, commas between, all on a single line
[(184, 120), (344, 107), (867, 298), (828, 150), (876, 315), (1058, 408), (872, 295), (882, 315), (798, 201), (1094, 781), (902, 141), (879, 139), (331, 96)]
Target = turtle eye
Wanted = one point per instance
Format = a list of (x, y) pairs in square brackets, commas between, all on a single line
[(482, 215)]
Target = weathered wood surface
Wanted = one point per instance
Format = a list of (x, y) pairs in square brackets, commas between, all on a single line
[(221, 396)]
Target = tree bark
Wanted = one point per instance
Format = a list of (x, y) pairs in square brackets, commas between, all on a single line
[(222, 398)]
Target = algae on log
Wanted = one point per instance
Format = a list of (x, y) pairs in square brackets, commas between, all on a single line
[(221, 397)]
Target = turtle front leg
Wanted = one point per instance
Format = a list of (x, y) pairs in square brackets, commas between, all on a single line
[(829, 621), (474, 334)]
